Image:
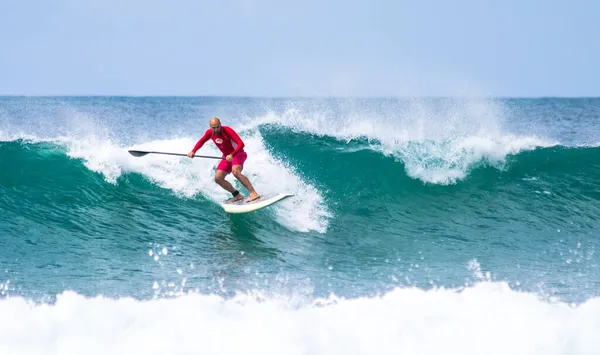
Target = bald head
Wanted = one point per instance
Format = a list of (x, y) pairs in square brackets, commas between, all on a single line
[(215, 125)]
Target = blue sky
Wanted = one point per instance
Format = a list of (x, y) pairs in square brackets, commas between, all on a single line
[(300, 48)]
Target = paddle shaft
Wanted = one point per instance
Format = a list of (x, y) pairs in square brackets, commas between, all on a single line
[(139, 153)]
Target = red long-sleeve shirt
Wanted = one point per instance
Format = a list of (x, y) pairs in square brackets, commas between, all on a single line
[(227, 141)]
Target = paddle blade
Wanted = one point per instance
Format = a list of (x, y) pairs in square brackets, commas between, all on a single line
[(138, 153)]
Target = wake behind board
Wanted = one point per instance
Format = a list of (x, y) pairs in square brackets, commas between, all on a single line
[(241, 206)]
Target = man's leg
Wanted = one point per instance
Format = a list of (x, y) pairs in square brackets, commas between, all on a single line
[(237, 172), (220, 179)]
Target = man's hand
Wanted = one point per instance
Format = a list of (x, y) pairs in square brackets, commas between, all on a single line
[(191, 154), (229, 158)]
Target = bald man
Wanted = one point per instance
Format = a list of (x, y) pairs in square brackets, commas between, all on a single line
[(232, 147)]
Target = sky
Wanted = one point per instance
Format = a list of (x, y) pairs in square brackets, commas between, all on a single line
[(502, 48)]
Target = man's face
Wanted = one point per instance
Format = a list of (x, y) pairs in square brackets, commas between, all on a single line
[(216, 127)]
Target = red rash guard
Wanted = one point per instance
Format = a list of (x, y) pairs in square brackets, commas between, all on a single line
[(227, 141)]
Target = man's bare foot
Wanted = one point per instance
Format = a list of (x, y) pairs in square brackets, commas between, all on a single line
[(253, 196), (237, 198)]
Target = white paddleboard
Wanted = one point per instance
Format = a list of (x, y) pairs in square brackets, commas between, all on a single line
[(241, 206)]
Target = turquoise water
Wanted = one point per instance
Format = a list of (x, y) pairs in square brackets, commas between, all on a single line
[(461, 220)]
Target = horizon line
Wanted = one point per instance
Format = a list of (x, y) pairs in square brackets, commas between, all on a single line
[(300, 96)]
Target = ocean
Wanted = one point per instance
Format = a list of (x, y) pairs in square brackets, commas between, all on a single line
[(418, 226)]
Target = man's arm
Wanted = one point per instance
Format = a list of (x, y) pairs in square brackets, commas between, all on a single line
[(234, 137), (202, 140)]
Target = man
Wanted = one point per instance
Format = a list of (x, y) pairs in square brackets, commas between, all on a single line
[(232, 147)]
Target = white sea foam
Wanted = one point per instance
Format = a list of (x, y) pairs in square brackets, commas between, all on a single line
[(488, 318)]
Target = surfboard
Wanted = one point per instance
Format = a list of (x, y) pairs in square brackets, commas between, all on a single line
[(241, 206)]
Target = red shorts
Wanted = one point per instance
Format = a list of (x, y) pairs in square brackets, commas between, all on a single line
[(238, 159)]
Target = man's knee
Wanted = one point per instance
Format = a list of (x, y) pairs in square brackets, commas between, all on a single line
[(237, 171), (219, 176)]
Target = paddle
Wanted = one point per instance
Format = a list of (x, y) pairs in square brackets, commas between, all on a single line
[(141, 153)]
